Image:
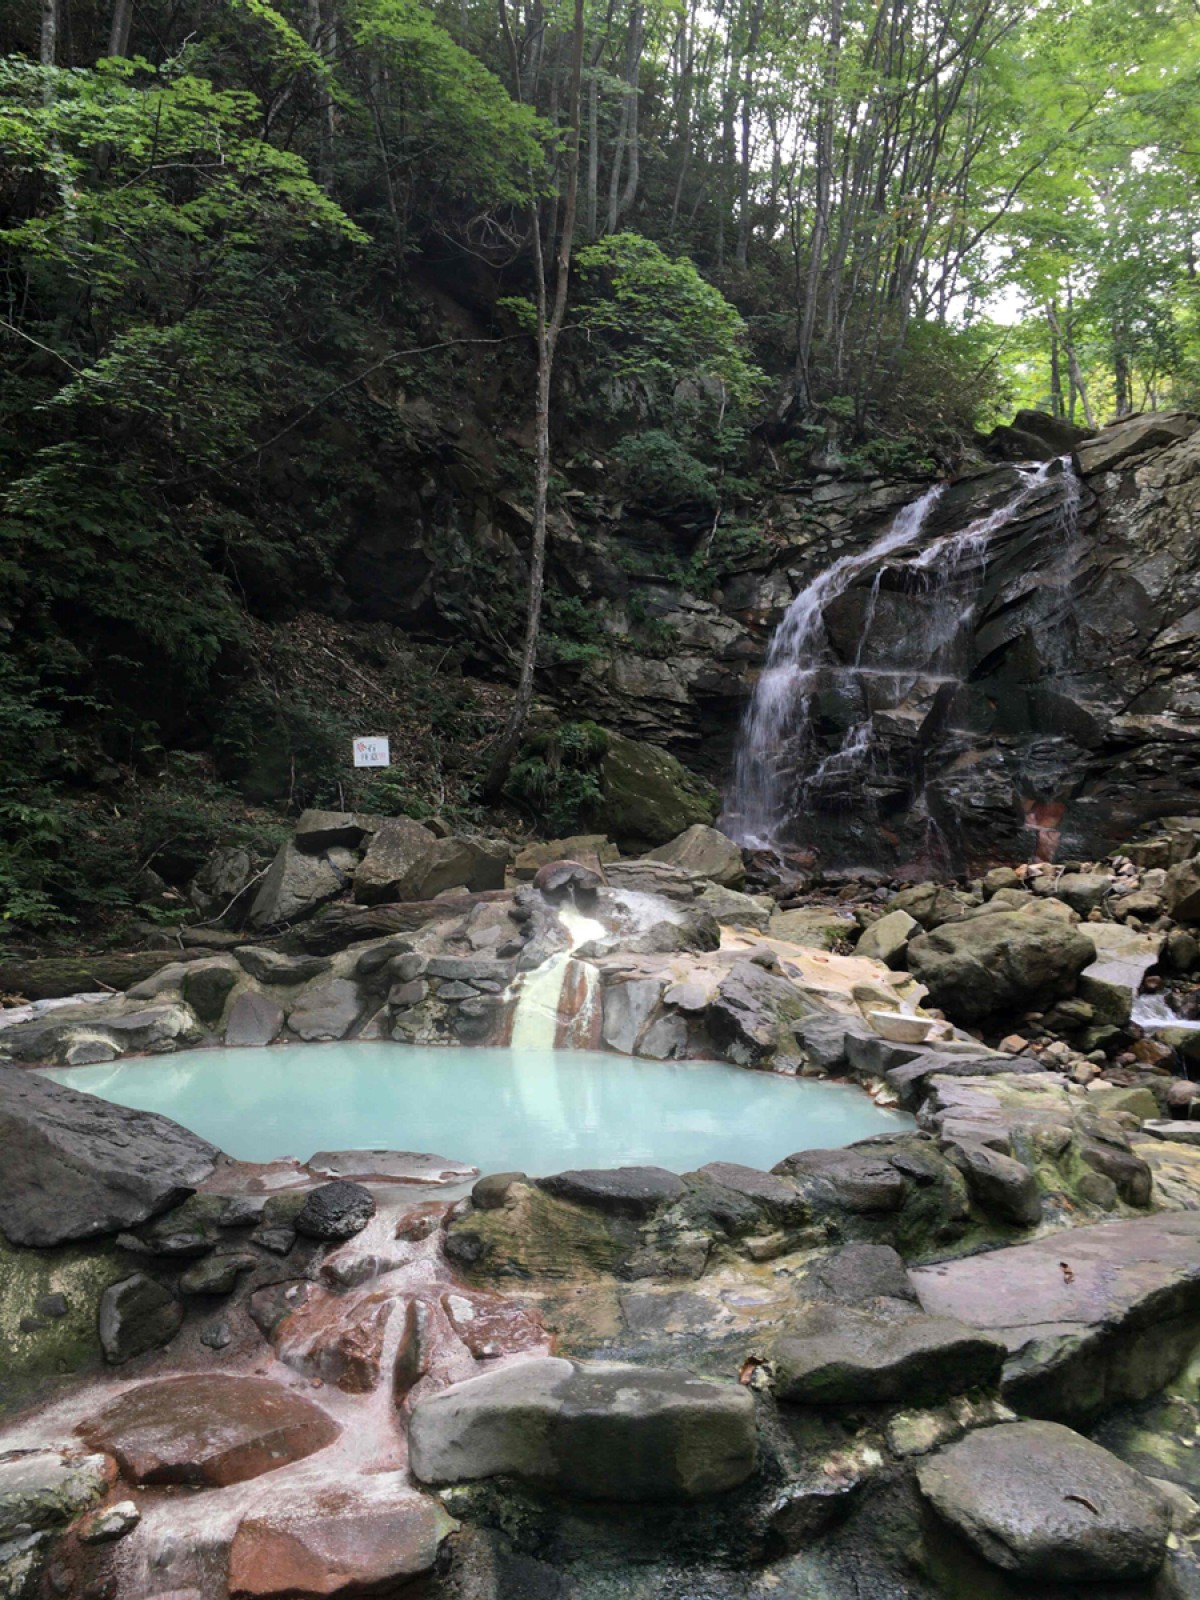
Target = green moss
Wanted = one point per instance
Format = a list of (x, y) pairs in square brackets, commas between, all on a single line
[(50, 1347), (648, 796)]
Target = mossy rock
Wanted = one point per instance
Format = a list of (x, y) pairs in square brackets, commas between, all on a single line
[(41, 1342), (532, 1235), (649, 796)]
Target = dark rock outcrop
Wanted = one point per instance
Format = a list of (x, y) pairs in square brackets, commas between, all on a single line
[(75, 1166)]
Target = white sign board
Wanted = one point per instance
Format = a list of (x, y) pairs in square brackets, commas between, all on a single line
[(371, 752)]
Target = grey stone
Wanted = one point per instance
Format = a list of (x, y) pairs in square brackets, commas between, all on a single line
[(136, 1315), (253, 1020), (887, 939), (1091, 1318), (859, 1273), (109, 1523), (220, 881), (931, 904), (393, 864), (76, 1166), (296, 885), (1084, 891), (271, 966), (982, 965), (705, 851), (1002, 1186), (1131, 437), (768, 1192), (628, 1008), (323, 830), (41, 1489), (752, 1013), (623, 1191), (216, 1274), (567, 877), (861, 1181), (753, 911), (836, 1354), (596, 1432), (205, 986), (326, 1009), (1040, 1502), (336, 1210)]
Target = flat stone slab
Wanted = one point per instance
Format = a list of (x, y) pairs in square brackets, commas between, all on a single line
[(835, 1354), (626, 1191), (599, 1431), (207, 1429), (363, 1538), (76, 1166), (390, 1166), (1091, 1318), (1040, 1501), (1184, 1132)]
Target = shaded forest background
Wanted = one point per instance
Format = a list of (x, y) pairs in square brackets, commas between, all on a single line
[(268, 289)]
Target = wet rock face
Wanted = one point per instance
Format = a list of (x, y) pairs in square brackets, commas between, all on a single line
[(1040, 1502), (600, 1432), (76, 1167), (207, 1430)]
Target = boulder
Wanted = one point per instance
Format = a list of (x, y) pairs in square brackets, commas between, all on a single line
[(1181, 892), (1110, 984), (336, 1210), (887, 939), (396, 860), (595, 1432), (46, 1489), (859, 1273), (1132, 436), (1007, 960), (206, 986), (136, 1315), (325, 830), (76, 1166), (1043, 1503), (1004, 1188), (628, 1008), (326, 1009), (648, 796), (707, 852), (273, 967), (296, 885), (373, 1535), (752, 1013), (621, 1191), (218, 885), (818, 927), (836, 1354), (567, 877), (753, 911), (1091, 1318), (930, 904), (1084, 891), (592, 849), (253, 1020), (207, 1430)]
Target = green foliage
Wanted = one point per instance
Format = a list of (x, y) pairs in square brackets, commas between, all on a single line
[(657, 470), (656, 321), (557, 776)]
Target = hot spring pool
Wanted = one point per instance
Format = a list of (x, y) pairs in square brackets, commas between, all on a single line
[(537, 1111)]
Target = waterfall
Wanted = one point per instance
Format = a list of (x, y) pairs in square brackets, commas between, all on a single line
[(559, 997), (782, 773)]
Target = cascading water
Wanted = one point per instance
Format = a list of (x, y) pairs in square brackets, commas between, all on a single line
[(841, 660), (561, 992)]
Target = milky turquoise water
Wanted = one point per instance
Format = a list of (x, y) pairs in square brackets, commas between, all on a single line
[(537, 1111)]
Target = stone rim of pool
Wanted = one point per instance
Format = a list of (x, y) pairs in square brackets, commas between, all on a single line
[(536, 1110)]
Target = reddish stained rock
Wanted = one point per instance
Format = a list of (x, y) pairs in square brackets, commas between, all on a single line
[(490, 1326), (208, 1430), (365, 1538), (338, 1337), (420, 1221)]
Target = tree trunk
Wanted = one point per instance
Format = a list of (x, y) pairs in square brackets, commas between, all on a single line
[(743, 231), (549, 327), (1057, 407), (49, 36), (122, 22), (1072, 363)]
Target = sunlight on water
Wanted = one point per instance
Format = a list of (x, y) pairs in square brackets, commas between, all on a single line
[(538, 1111)]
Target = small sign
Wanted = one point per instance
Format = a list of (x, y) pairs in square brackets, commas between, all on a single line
[(370, 752)]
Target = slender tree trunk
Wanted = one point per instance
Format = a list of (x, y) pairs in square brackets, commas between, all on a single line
[(1072, 363), (49, 36), (549, 327), (122, 22), (743, 230), (1056, 393)]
